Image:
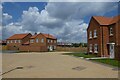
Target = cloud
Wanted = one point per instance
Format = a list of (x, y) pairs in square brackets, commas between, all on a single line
[(6, 18), (64, 20), (78, 10)]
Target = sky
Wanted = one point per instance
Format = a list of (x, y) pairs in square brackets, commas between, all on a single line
[(67, 21)]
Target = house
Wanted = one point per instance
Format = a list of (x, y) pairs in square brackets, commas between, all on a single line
[(104, 36), (14, 42), (36, 42)]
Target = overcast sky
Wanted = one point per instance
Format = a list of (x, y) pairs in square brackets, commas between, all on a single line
[(67, 21)]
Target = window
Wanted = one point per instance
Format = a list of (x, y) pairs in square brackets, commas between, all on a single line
[(55, 41), (48, 40), (19, 41), (95, 33), (15, 41), (7, 41), (111, 31), (90, 48), (32, 41), (51, 41), (11, 41), (96, 48), (37, 40), (90, 34), (42, 40)]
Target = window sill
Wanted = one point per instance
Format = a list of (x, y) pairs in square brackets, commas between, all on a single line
[(95, 51), (95, 37), (90, 51), (111, 34), (90, 38)]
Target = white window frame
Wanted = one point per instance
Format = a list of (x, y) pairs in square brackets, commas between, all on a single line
[(31, 40), (15, 41), (90, 48), (51, 41), (90, 35), (48, 40), (37, 40), (42, 40), (95, 48), (11, 41), (111, 31), (95, 33), (8, 41), (19, 41)]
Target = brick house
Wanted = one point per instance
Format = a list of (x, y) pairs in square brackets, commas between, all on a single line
[(37, 42), (14, 42), (104, 36)]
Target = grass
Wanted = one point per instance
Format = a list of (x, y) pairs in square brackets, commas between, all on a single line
[(108, 61), (112, 62), (81, 55)]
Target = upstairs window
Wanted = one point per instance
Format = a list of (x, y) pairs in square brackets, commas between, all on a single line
[(96, 48), (111, 31), (32, 41), (7, 41), (95, 33), (90, 34), (90, 48), (37, 40), (11, 41), (48, 40), (15, 41), (51, 41), (19, 41), (42, 40)]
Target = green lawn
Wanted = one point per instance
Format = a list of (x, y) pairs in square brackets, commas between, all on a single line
[(112, 62), (80, 55)]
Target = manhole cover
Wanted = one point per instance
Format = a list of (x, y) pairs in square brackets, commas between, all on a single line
[(79, 68)]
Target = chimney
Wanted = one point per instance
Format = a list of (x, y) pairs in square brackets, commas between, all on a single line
[(35, 33)]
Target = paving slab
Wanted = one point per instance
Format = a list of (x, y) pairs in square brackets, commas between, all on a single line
[(52, 65)]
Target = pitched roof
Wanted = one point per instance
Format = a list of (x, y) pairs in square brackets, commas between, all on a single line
[(102, 20), (49, 36), (34, 36), (18, 36), (106, 20), (46, 35), (115, 19)]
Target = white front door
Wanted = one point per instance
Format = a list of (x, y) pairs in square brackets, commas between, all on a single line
[(51, 48), (111, 49)]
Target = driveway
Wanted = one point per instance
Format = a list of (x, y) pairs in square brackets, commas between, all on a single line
[(53, 65)]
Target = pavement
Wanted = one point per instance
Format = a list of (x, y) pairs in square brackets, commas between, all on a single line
[(52, 65)]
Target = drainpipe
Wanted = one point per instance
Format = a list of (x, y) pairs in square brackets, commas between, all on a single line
[(102, 44)]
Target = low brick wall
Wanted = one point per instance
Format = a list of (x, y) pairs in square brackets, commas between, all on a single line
[(3, 47), (72, 49), (32, 48)]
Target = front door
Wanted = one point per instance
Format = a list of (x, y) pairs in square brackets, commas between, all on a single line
[(111, 50)]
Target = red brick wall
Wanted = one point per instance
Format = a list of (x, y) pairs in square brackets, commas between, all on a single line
[(29, 48), (26, 38), (15, 46), (39, 37), (117, 52), (94, 26), (102, 49), (105, 40)]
